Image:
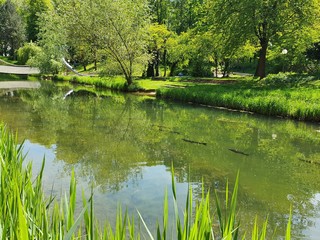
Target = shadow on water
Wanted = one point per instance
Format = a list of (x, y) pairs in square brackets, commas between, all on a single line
[(124, 145)]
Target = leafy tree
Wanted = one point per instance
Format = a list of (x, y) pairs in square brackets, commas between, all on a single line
[(160, 11), (157, 47), (34, 9), (82, 26), (12, 34), (53, 39), (124, 35), (184, 14), (262, 21), (108, 29), (179, 52)]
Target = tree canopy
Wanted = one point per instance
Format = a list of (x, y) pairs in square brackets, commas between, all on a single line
[(263, 22), (166, 37), (105, 29), (12, 34)]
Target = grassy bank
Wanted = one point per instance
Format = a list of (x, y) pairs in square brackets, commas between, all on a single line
[(116, 83), (285, 95), (119, 83), (26, 213), (298, 100), (12, 77)]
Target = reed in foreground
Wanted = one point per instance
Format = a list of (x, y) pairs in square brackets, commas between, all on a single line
[(26, 213)]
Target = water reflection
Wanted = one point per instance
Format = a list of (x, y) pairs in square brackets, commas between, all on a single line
[(124, 145)]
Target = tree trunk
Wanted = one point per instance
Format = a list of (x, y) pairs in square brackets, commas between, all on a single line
[(127, 75), (226, 67), (165, 62), (157, 64), (216, 67), (150, 70), (11, 51), (95, 59), (173, 68), (261, 67), (129, 80)]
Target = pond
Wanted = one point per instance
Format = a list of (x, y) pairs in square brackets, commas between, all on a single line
[(124, 146)]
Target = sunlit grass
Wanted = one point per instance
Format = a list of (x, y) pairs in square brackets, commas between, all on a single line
[(150, 84), (116, 83), (301, 103)]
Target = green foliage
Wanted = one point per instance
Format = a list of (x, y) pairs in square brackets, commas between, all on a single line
[(158, 48), (179, 52), (45, 63), (34, 9), (97, 28), (263, 22), (159, 11), (228, 227), (28, 51), (12, 34), (196, 38), (196, 222), (184, 14)]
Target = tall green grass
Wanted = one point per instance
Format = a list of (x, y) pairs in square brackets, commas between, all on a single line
[(116, 83), (26, 213), (302, 103)]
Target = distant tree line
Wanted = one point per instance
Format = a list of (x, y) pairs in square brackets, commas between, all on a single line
[(159, 38)]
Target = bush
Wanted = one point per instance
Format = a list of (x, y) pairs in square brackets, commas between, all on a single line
[(200, 68), (45, 63), (28, 51)]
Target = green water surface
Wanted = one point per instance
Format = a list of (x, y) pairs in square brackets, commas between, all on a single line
[(124, 146)]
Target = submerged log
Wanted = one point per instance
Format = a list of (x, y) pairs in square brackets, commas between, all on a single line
[(195, 142), (239, 152), (309, 161)]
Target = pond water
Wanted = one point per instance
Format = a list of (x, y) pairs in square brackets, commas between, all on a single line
[(124, 146)]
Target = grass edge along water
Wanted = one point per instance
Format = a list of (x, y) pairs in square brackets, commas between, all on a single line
[(26, 213)]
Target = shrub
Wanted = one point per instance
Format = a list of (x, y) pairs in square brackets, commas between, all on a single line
[(28, 51)]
